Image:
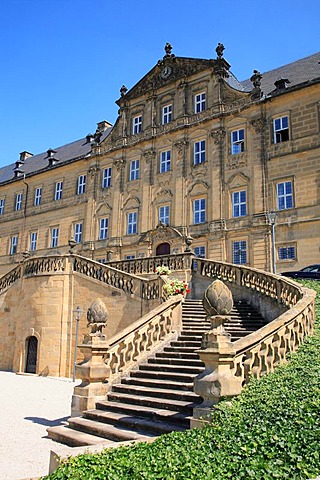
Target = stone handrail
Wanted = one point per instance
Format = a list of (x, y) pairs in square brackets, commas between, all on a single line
[(10, 278), (132, 343), (138, 266), (129, 283), (279, 288), (44, 265)]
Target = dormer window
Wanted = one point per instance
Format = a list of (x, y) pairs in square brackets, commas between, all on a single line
[(167, 114), (137, 124), (199, 102)]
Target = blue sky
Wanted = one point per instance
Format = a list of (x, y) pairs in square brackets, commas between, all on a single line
[(64, 61)]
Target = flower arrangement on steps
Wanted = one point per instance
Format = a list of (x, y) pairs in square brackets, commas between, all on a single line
[(176, 287)]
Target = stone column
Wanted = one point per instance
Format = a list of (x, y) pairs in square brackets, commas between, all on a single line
[(93, 371), (217, 353)]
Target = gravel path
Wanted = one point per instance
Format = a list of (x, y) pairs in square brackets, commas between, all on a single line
[(29, 404)]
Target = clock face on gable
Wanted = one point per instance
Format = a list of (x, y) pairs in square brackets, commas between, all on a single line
[(166, 72)]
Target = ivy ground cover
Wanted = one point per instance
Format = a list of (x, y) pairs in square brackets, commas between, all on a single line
[(271, 431)]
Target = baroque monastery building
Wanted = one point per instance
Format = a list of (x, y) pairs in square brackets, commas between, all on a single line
[(196, 159)]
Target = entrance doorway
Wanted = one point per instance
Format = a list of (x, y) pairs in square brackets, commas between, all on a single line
[(163, 249), (31, 357)]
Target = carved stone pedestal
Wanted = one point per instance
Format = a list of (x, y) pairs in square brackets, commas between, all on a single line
[(94, 374)]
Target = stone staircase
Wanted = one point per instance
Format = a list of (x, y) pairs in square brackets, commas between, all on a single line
[(157, 397)]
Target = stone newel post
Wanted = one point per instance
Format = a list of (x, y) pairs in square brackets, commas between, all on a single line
[(217, 353), (92, 370)]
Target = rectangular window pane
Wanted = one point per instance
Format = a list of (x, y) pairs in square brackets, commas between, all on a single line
[(13, 245), (134, 170), (287, 253), (237, 141), (200, 252), (199, 152), (239, 203), (81, 184), (58, 191), (18, 202), (199, 211), (37, 196), (200, 102), (78, 232), (167, 114), (164, 214), (106, 180), (239, 252), (33, 241), (2, 206), (165, 161), (281, 129), (137, 124), (54, 237), (284, 195), (103, 228), (131, 223)]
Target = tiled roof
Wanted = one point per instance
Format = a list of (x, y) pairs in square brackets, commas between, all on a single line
[(79, 148), (301, 71)]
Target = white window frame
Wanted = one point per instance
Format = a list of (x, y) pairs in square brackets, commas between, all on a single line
[(33, 241), (14, 244), (106, 178), (137, 124), (54, 237), (18, 202), (281, 129), (200, 251), (287, 252), (77, 232), (285, 198), (81, 184), (103, 228), (131, 223), (239, 203), (237, 141), (134, 170), (58, 190), (239, 252), (199, 152), (164, 214), (2, 204), (165, 161), (167, 114), (199, 211), (37, 196), (199, 102)]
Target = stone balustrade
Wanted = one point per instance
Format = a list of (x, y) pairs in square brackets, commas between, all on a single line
[(139, 266), (10, 278)]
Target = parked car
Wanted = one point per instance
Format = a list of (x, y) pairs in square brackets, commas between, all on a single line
[(312, 272)]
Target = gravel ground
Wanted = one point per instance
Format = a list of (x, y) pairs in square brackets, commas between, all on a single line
[(30, 404)]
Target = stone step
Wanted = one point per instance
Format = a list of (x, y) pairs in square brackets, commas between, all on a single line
[(185, 369), (159, 414), (176, 354), (174, 349), (176, 361), (177, 343), (134, 422), (156, 375), (106, 431), (161, 393), (72, 438), (154, 402), (166, 384)]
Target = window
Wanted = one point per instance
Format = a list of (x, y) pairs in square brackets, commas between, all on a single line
[(18, 202), (33, 241), (13, 244), (106, 179), (37, 196), (239, 252), (199, 155), (280, 129), (167, 114), (199, 102), (165, 161), (131, 223), (237, 141), (58, 190), (137, 124), (284, 195), (200, 252), (102, 260), (287, 253), (2, 206), (103, 228), (81, 186), (78, 232), (199, 211), (239, 203), (134, 170), (164, 214), (54, 237), (130, 257)]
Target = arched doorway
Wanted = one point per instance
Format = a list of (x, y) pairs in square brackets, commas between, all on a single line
[(163, 249), (31, 354)]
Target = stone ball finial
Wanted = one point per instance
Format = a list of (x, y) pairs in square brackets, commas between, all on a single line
[(217, 299), (97, 316)]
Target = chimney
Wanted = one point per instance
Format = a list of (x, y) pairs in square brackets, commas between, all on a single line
[(51, 158), (24, 155), (102, 126), (17, 171)]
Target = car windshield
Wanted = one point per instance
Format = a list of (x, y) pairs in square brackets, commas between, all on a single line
[(312, 268)]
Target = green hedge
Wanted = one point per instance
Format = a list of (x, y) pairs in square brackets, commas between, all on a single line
[(271, 431)]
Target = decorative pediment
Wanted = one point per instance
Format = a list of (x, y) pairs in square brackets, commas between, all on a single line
[(132, 202), (104, 208), (238, 180), (198, 187), (160, 233)]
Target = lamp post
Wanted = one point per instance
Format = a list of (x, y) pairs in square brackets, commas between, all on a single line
[(272, 221), (78, 314)]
